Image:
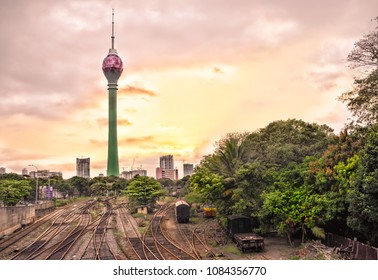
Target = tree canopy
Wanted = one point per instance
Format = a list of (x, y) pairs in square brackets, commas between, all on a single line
[(143, 190), (12, 191)]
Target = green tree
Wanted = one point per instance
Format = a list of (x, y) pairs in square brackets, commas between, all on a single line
[(282, 142), (143, 190), (295, 204), (251, 179), (63, 186), (232, 152), (119, 185), (80, 184), (166, 182), (362, 100), (295, 209), (183, 183), (11, 176), (98, 188), (363, 199), (12, 191), (207, 184)]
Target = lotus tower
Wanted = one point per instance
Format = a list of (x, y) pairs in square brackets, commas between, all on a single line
[(112, 67)]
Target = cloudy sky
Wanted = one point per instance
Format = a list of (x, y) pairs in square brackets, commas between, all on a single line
[(193, 71)]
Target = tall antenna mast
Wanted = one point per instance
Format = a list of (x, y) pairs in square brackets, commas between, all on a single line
[(112, 29)]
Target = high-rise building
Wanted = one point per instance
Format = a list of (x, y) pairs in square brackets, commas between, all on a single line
[(83, 167), (112, 67), (2, 170), (24, 171), (166, 169), (188, 169), (166, 162)]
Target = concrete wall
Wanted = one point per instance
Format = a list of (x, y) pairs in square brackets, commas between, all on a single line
[(44, 208), (14, 217)]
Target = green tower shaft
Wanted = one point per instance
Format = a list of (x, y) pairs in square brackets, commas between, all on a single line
[(113, 165)]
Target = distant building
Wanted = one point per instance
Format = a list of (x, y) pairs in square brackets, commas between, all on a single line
[(188, 169), (48, 193), (166, 162), (45, 174), (166, 169), (2, 170), (131, 174), (24, 172), (83, 167), (166, 173)]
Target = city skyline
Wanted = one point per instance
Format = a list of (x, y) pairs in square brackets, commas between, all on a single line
[(195, 71)]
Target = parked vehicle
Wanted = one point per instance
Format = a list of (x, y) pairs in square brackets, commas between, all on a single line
[(182, 211), (239, 228), (209, 211)]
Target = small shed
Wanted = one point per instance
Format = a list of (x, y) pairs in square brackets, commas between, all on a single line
[(142, 209)]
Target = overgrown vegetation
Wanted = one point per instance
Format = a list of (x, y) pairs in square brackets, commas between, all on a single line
[(300, 178)]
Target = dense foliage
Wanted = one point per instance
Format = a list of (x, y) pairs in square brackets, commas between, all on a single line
[(300, 178), (143, 190), (12, 191)]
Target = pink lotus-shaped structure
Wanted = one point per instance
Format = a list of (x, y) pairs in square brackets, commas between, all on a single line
[(113, 63)]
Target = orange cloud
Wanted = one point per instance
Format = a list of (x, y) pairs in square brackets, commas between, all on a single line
[(136, 140), (136, 90)]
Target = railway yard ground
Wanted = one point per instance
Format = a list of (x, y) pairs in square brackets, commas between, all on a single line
[(105, 229)]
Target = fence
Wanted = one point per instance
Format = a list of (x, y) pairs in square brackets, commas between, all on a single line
[(356, 249)]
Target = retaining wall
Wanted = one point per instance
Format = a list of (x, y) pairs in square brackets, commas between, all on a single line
[(14, 217)]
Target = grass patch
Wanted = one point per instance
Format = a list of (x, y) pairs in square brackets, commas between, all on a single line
[(62, 202), (168, 199), (213, 243), (119, 235), (139, 215), (94, 214), (142, 230), (231, 249), (194, 220)]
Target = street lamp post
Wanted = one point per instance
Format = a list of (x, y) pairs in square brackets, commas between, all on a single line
[(36, 183)]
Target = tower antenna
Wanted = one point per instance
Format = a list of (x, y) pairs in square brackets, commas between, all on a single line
[(112, 29)]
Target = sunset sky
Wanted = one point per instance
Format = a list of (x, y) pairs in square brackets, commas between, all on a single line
[(193, 71)]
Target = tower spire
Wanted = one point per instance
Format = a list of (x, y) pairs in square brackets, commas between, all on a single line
[(113, 29)]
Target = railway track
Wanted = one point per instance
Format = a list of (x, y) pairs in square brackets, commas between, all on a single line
[(60, 229), (58, 224), (64, 234), (97, 247), (157, 235), (103, 230), (136, 248), (62, 248), (19, 235), (196, 239)]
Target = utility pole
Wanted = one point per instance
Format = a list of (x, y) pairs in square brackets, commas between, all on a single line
[(36, 183)]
